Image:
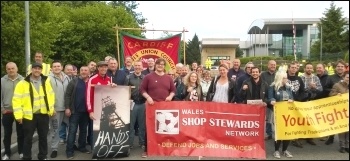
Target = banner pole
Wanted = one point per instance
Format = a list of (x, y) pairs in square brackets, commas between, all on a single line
[(118, 53), (183, 33)]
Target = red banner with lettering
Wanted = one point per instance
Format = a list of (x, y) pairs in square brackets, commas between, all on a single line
[(139, 48), (205, 129)]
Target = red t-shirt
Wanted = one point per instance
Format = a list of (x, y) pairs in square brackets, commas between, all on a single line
[(96, 79), (157, 87)]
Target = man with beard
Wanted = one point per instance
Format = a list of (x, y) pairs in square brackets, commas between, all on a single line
[(333, 79), (269, 76), (150, 68), (312, 88), (298, 90), (235, 71), (180, 78), (117, 76), (254, 88), (156, 87)]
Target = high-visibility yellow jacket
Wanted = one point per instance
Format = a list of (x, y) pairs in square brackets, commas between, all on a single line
[(27, 101), (330, 70), (46, 69)]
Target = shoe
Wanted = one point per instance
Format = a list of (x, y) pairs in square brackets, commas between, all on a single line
[(323, 139), (330, 140), (144, 155), (20, 156), (287, 154), (62, 141), (297, 143), (347, 150), (75, 147), (5, 157), (268, 137), (53, 154), (85, 151), (310, 141), (70, 157), (277, 155), (342, 150)]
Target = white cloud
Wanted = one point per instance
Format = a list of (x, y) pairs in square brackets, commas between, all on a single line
[(224, 19)]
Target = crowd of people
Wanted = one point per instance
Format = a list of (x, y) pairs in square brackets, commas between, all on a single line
[(57, 100)]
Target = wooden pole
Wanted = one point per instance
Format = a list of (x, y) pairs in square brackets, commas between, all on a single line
[(118, 53), (183, 34)]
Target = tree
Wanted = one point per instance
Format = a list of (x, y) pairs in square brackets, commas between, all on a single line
[(90, 36), (239, 52), (333, 41), (192, 51), (45, 27), (130, 7)]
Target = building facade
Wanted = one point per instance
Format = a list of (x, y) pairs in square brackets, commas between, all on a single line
[(217, 49), (274, 37)]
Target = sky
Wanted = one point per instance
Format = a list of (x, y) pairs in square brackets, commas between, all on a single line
[(224, 19)]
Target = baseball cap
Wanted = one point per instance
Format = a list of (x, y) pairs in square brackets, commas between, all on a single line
[(102, 63), (37, 65)]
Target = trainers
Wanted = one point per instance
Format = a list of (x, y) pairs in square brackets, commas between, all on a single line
[(20, 156), (53, 154), (85, 151), (5, 157), (268, 137), (287, 154), (297, 143), (144, 155), (342, 150), (70, 157), (277, 155), (62, 141)]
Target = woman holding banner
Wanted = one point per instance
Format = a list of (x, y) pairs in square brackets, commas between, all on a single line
[(191, 89), (277, 92), (222, 88), (338, 89)]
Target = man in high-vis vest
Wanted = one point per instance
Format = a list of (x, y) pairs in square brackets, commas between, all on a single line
[(330, 69), (39, 59), (33, 102)]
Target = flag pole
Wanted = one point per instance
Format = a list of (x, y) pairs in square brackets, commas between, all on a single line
[(184, 46), (117, 35), (294, 44)]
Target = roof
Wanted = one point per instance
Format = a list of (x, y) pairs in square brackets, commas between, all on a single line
[(260, 25), (206, 42)]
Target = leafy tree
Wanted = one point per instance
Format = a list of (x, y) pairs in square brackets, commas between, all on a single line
[(89, 35), (44, 29), (192, 51), (130, 7), (333, 42), (239, 52)]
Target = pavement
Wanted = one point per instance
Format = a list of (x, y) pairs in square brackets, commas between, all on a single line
[(309, 152)]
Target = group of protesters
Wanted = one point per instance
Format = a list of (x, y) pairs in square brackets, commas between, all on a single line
[(57, 100)]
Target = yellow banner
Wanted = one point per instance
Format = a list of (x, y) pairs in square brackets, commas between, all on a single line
[(312, 119)]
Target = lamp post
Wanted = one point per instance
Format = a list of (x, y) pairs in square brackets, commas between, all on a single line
[(321, 44)]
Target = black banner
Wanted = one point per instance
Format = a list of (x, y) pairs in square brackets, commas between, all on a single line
[(112, 124)]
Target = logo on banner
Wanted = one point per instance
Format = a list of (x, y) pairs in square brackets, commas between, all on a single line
[(167, 122)]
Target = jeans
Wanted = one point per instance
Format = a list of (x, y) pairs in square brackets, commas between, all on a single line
[(7, 122), (138, 115), (90, 132), (56, 122), (268, 122), (41, 123), (63, 131), (77, 119)]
